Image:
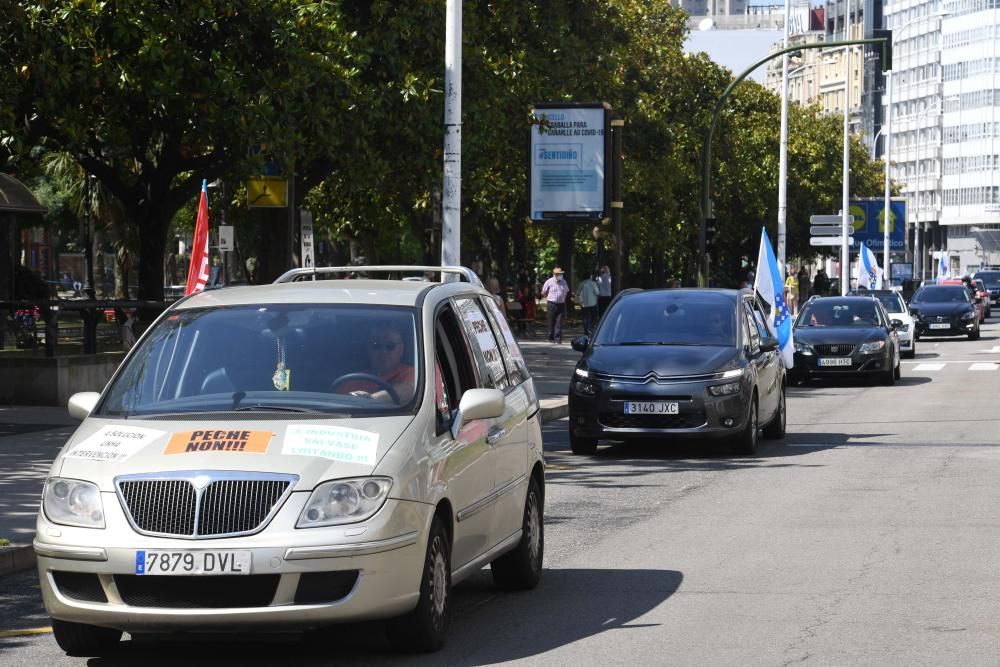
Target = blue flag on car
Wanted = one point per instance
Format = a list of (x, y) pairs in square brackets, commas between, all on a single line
[(769, 283), (869, 273), (943, 272)]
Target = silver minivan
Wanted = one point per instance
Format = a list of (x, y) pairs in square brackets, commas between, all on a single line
[(289, 456)]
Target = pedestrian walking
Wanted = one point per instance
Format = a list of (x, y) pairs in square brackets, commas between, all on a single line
[(792, 292), (587, 293), (821, 284), (603, 290), (804, 285), (555, 290)]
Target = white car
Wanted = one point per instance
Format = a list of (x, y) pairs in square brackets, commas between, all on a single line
[(294, 455), (897, 309)]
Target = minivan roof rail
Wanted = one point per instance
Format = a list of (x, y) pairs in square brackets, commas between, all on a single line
[(295, 275)]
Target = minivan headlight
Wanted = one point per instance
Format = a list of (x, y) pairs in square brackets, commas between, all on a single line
[(724, 389), (344, 501), (72, 502)]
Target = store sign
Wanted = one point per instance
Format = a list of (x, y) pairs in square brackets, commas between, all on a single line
[(869, 228), (570, 150)]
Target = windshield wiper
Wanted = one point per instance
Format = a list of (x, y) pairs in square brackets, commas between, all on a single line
[(647, 342), (260, 407)]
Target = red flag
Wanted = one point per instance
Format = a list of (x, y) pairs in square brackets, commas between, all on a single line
[(198, 271)]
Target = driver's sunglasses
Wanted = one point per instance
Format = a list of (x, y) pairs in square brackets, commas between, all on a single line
[(387, 345)]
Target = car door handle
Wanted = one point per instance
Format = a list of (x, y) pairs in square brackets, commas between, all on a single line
[(495, 435)]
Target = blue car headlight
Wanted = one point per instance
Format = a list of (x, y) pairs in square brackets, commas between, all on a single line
[(804, 348), (872, 347), (969, 315)]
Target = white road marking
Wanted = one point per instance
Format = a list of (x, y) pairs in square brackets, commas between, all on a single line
[(928, 367), (993, 350), (983, 367)]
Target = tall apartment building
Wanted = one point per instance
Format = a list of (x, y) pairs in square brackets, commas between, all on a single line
[(944, 132), (712, 7), (805, 71)]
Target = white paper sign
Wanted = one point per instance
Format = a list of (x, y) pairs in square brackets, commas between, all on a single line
[(339, 443), (114, 443)]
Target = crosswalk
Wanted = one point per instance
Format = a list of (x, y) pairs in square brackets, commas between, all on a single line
[(941, 365)]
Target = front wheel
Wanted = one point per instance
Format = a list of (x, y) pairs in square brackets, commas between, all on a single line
[(423, 630), (775, 430), (78, 639), (520, 569), (746, 441), (581, 445)]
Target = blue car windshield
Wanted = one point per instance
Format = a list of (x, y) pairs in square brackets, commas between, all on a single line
[(674, 317)]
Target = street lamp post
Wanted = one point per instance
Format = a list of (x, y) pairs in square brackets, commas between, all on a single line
[(706, 149)]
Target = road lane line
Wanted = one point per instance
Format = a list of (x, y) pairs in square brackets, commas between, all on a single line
[(928, 367), (5, 634), (983, 367)]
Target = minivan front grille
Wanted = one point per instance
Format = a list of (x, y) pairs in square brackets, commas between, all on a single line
[(202, 504)]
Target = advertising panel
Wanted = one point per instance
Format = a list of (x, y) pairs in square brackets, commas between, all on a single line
[(868, 224), (570, 148)]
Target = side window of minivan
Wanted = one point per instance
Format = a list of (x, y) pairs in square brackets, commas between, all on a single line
[(517, 369), (454, 372), (754, 332), (485, 349)]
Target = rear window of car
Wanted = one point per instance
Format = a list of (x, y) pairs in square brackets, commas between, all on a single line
[(942, 294), (991, 278), (670, 318), (333, 359)]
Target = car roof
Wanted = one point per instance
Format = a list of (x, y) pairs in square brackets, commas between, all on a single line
[(361, 291)]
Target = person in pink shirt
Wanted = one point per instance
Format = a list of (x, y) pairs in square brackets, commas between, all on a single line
[(555, 290)]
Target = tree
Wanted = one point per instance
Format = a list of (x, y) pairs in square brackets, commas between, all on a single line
[(152, 97)]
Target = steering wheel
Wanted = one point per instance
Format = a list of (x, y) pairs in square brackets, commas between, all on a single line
[(368, 377)]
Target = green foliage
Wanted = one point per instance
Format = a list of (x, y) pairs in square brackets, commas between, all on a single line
[(152, 97)]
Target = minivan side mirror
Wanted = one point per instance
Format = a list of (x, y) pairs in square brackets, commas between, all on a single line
[(478, 404), (580, 343), (82, 404), (768, 343)]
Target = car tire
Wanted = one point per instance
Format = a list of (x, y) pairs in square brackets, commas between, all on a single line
[(974, 335), (521, 569), (898, 373), (775, 430), (746, 441), (912, 353), (889, 377), (423, 630), (582, 445), (77, 639)]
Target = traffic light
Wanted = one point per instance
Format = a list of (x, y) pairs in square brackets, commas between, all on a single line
[(709, 232), (886, 48)]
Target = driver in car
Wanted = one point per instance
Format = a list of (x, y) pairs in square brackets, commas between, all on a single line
[(384, 347)]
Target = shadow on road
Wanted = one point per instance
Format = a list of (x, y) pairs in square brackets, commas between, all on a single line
[(569, 605)]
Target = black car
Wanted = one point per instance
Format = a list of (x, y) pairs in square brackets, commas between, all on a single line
[(992, 281), (678, 363), (841, 336), (944, 310)]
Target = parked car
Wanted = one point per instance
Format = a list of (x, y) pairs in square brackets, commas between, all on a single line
[(295, 455), (667, 364), (897, 309), (944, 310), (846, 336)]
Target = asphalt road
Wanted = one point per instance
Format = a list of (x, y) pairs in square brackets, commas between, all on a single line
[(870, 535)]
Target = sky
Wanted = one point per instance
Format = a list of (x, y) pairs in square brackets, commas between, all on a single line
[(735, 49)]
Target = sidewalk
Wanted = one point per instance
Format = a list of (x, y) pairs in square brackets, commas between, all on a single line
[(30, 438)]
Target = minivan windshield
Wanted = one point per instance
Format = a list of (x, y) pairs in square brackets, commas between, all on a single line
[(670, 317), (341, 360), (942, 294)]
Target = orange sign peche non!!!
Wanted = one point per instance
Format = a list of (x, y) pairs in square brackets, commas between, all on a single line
[(219, 441)]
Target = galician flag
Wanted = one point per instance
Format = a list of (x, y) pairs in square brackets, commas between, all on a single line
[(869, 273), (943, 270), (198, 271), (769, 283)]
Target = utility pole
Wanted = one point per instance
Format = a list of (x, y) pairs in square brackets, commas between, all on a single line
[(451, 203), (617, 205), (88, 241), (783, 153)]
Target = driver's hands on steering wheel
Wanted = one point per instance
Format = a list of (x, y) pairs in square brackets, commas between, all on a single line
[(375, 396)]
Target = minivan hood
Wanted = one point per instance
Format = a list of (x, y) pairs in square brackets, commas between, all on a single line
[(314, 449), (664, 360)]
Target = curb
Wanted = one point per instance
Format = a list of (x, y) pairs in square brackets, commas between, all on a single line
[(554, 412), (17, 558)]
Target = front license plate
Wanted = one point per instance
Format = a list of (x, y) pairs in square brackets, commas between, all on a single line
[(651, 408), (940, 325), (835, 361), (192, 562)]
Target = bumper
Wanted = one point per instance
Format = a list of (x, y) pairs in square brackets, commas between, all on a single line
[(807, 365), (699, 414), (344, 573), (955, 328)]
